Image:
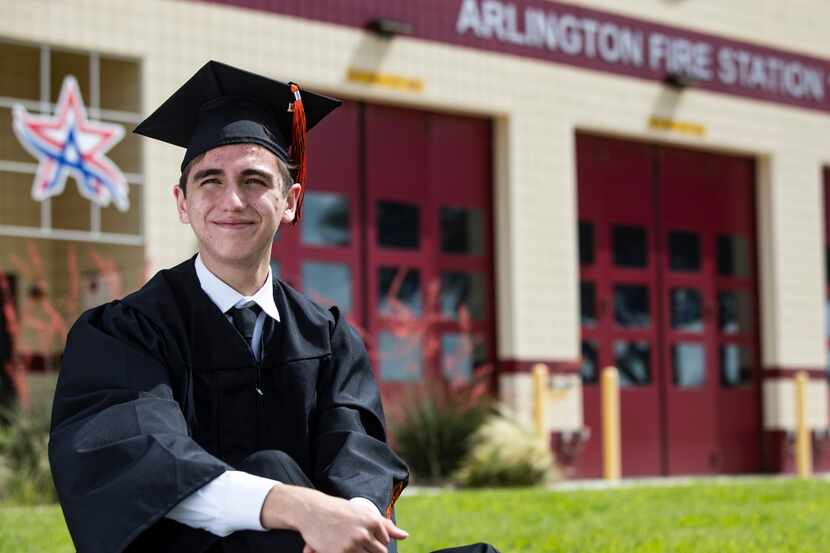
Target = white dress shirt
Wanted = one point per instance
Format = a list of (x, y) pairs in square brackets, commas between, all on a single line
[(233, 500)]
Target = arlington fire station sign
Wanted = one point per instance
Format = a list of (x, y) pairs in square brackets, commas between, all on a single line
[(601, 41)]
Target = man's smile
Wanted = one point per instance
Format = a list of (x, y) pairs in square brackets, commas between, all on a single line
[(234, 224)]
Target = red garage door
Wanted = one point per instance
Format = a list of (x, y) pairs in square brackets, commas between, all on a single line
[(396, 231), (668, 294)]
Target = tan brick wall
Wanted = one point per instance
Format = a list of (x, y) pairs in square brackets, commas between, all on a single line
[(537, 107)]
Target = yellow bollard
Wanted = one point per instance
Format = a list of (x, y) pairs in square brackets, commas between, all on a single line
[(611, 461), (540, 389), (803, 447)]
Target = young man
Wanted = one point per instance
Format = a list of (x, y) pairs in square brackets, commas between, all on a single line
[(217, 409)]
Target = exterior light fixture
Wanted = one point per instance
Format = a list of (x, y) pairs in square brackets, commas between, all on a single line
[(388, 28), (678, 81)]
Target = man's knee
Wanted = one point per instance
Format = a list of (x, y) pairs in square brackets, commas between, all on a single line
[(250, 541), (277, 465)]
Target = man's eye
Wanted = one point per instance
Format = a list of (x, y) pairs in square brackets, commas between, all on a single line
[(210, 181), (258, 182)]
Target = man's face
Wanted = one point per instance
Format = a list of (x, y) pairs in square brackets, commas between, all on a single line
[(235, 203)]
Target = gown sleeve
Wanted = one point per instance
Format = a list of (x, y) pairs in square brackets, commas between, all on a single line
[(120, 450), (352, 456)]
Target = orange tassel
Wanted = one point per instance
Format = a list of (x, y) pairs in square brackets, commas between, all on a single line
[(396, 493), (298, 151)]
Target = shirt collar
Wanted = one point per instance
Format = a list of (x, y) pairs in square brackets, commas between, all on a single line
[(226, 297)]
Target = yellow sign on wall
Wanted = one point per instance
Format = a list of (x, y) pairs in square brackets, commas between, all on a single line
[(683, 127), (386, 80)]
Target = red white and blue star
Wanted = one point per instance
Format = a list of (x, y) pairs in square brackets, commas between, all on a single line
[(70, 144)]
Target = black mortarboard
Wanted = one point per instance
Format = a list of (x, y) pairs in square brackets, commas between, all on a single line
[(222, 105)]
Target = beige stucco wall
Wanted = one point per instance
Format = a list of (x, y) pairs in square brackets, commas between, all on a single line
[(537, 107), (779, 400)]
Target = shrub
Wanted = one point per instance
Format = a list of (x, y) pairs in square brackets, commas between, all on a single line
[(434, 426), (25, 477), (505, 453)]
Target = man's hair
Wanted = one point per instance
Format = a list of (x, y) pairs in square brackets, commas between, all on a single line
[(285, 170)]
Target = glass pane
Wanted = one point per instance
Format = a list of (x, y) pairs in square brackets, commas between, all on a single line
[(275, 269), (586, 243), (399, 356), (684, 251), (325, 219), (735, 365), (689, 364), (70, 210), (399, 292), (16, 204), (461, 353), (827, 315), (462, 230), (119, 85), (462, 291), (588, 303), (686, 310), (734, 312), (631, 306), (632, 362), (397, 225), (10, 147), (124, 222), (589, 369), (630, 249), (733, 256), (63, 64), (20, 67), (127, 152), (328, 284)]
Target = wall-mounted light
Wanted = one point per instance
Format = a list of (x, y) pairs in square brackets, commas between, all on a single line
[(388, 28), (678, 81)]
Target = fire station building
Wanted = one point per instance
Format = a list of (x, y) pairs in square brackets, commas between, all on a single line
[(588, 183)]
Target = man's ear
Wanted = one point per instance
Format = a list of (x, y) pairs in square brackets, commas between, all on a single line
[(181, 204), (292, 197)]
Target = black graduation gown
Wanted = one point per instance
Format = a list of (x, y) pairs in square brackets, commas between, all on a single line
[(157, 395)]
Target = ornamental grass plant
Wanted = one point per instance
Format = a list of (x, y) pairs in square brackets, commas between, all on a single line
[(434, 425), (504, 452), (25, 477)]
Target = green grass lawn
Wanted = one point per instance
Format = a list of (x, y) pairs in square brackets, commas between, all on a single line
[(33, 530), (764, 515)]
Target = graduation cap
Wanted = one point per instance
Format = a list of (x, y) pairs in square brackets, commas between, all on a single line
[(222, 105)]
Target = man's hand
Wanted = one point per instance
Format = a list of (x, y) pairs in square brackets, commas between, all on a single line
[(328, 524)]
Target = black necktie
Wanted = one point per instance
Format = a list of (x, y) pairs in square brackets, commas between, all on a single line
[(244, 319)]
